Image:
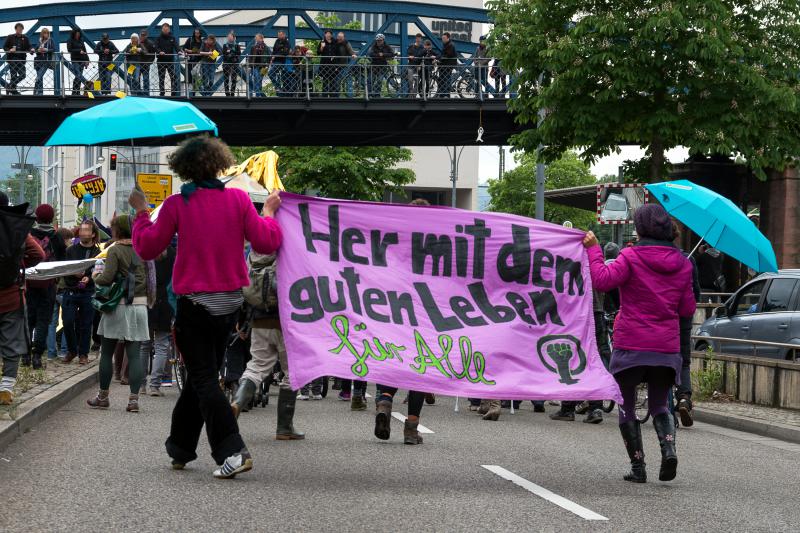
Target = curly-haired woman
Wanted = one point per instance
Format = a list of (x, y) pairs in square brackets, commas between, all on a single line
[(212, 224)]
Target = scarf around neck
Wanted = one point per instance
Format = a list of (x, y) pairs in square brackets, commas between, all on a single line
[(188, 189)]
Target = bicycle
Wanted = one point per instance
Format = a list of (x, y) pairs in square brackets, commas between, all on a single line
[(608, 405), (642, 408), (176, 361)]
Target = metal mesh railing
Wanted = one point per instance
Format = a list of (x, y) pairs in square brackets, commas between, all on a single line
[(294, 77)]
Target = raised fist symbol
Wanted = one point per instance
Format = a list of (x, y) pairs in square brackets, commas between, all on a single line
[(560, 353)]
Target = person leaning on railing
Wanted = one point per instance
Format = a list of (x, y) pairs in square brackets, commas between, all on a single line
[(167, 50), (257, 63), (231, 56), (133, 58), (480, 60), (17, 45), (379, 53), (344, 53), (281, 50), (148, 56), (105, 50), (447, 62), (209, 53), (327, 51), (414, 55), (78, 60), (191, 48), (43, 60)]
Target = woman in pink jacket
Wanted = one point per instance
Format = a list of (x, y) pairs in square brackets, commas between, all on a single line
[(655, 287), (212, 224)]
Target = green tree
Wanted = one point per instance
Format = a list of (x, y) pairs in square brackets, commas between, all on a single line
[(18, 184), (355, 173), (717, 76), (516, 191)]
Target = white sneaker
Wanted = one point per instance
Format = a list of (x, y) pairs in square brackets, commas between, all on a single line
[(301, 396), (235, 464), (316, 396)]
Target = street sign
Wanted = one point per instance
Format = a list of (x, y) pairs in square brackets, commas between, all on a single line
[(90, 183), (156, 187)]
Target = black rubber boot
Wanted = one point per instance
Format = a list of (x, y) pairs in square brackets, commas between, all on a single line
[(287, 399), (36, 361), (665, 429), (244, 395), (632, 436)]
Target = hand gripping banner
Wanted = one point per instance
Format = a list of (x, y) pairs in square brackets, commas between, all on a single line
[(439, 300)]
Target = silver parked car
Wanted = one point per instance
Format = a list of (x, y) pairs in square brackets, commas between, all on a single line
[(767, 308)]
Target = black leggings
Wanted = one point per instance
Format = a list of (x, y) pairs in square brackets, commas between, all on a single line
[(659, 380), (359, 387), (415, 398)]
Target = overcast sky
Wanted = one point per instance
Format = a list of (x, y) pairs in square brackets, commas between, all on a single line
[(489, 155)]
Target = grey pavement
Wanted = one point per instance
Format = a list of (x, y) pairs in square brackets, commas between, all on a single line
[(789, 417), (84, 470)]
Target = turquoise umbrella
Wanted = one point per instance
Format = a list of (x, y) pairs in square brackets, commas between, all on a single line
[(717, 221), (128, 119)]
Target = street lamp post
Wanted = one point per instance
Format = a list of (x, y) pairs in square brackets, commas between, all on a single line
[(455, 159)]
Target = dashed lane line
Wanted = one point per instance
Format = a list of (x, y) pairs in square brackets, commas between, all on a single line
[(542, 492)]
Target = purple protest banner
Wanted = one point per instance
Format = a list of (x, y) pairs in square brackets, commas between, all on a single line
[(439, 300)]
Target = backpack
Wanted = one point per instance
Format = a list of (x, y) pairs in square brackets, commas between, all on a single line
[(15, 225), (262, 293)]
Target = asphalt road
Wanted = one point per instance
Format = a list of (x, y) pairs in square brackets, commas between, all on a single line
[(85, 470)]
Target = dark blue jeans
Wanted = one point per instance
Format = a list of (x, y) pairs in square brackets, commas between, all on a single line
[(77, 315)]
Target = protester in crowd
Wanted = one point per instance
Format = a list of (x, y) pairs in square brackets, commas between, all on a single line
[(78, 60), (13, 337), (480, 60), (208, 277), (159, 319), (684, 389), (191, 48), (344, 54), (655, 284), (44, 59), (105, 50), (429, 58), (148, 55), (414, 55), (447, 62), (611, 302), (17, 45), (312, 391), (231, 56), (209, 53), (281, 50), (57, 343), (327, 51), (77, 291), (167, 51), (380, 53), (385, 396), (267, 347), (127, 322), (709, 267), (257, 61), (133, 63), (355, 392), (595, 414), (41, 294)]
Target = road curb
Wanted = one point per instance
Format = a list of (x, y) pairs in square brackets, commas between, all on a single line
[(749, 425), (35, 410)]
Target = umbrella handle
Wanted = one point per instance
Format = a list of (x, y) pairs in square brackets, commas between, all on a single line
[(697, 246)]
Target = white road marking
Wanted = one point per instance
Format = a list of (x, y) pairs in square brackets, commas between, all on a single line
[(420, 427), (542, 492)]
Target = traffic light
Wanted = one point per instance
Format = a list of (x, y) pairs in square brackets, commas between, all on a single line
[(112, 164)]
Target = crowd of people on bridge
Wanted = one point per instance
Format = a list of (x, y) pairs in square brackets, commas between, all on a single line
[(180, 290), (204, 65)]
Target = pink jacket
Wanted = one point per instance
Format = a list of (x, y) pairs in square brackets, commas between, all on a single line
[(655, 288), (212, 228)]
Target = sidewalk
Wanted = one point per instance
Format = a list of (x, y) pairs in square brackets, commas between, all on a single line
[(44, 393), (783, 424)]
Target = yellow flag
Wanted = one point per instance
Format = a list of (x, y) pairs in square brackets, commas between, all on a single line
[(90, 95), (131, 69), (120, 94), (111, 67), (214, 54), (96, 85)]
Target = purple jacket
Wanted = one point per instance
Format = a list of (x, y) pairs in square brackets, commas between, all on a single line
[(655, 288)]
